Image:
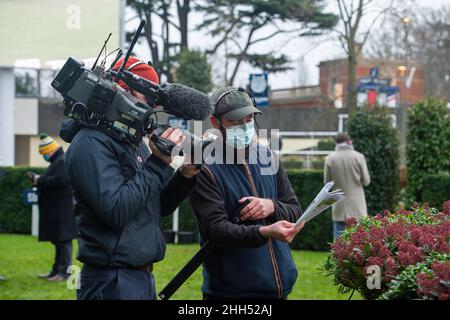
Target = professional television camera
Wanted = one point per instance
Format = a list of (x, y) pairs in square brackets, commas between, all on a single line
[(93, 97)]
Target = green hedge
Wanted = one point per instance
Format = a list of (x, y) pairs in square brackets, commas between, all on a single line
[(428, 145), (187, 220), (326, 144), (318, 232), (374, 136), (14, 216), (298, 164), (436, 189)]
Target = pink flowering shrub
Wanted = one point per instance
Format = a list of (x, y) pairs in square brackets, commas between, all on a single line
[(426, 280), (436, 284), (395, 242)]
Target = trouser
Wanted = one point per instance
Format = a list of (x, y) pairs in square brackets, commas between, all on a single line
[(112, 283), (338, 228), (63, 257), (212, 297)]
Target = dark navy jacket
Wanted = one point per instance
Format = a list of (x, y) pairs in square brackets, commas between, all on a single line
[(246, 265), (121, 192), (56, 218)]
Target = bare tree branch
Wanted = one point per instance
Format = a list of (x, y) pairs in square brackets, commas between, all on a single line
[(224, 38), (241, 50), (239, 61), (273, 35)]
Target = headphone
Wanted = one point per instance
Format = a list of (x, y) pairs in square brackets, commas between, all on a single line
[(241, 90), (234, 90)]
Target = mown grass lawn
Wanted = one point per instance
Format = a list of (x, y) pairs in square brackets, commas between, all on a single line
[(22, 258)]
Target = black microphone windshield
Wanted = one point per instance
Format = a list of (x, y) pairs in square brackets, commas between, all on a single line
[(185, 102)]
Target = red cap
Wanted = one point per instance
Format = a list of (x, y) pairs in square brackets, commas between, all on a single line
[(139, 68)]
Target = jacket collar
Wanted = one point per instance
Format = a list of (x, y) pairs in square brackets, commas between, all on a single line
[(343, 146), (58, 152)]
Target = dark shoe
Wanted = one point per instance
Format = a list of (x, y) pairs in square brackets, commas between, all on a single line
[(58, 278), (48, 275)]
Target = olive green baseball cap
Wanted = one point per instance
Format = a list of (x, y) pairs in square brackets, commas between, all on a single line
[(232, 103)]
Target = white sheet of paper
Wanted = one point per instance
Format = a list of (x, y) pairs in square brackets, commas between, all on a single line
[(321, 202)]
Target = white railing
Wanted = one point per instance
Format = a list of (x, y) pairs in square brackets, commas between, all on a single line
[(308, 133), (295, 93), (308, 154)]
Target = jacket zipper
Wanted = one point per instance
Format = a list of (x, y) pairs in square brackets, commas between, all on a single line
[(276, 270)]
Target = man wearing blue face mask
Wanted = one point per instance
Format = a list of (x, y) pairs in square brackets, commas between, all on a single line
[(56, 218), (253, 259)]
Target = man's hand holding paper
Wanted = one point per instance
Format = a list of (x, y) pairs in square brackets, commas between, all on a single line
[(321, 202)]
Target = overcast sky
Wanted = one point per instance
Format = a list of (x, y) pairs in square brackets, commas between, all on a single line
[(305, 54)]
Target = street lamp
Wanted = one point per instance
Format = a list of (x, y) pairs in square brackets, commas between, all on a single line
[(402, 70), (406, 20)]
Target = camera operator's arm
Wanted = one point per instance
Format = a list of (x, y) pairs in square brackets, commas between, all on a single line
[(178, 188), (96, 173), (182, 182)]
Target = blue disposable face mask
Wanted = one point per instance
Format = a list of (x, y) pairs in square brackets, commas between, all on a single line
[(46, 157), (241, 136)]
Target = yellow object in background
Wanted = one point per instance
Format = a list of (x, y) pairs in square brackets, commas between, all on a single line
[(47, 144)]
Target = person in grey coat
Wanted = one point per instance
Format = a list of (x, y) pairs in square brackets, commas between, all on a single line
[(348, 169)]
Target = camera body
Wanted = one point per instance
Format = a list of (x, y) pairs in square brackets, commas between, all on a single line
[(94, 99)]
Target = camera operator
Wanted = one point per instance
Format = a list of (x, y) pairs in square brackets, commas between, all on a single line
[(122, 190)]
